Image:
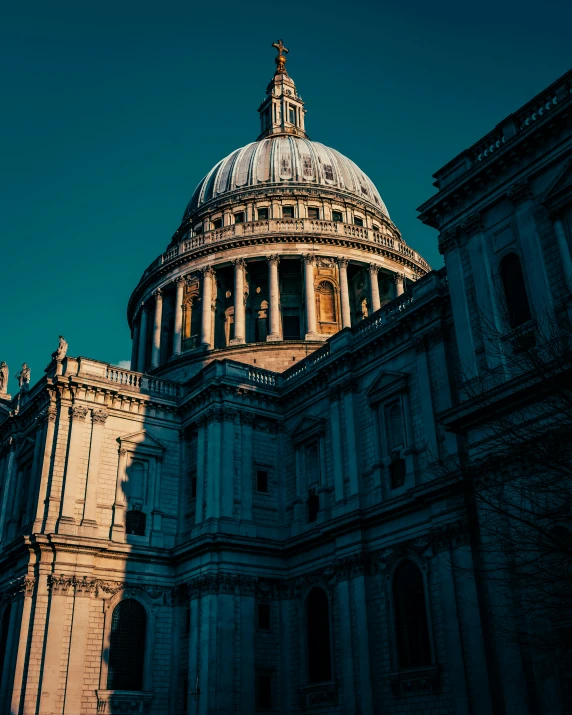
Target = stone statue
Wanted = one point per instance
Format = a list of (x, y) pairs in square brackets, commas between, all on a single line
[(60, 353), (23, 378), (3, 378)]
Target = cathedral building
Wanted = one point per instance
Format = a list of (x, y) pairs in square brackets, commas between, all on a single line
[(249, 520)]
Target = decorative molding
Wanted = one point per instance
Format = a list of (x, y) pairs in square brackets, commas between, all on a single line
[(448, 240), (273, 259), (519, 192), (308, 259), (221, 583), (343, 262), (373, 268), (417, 681)]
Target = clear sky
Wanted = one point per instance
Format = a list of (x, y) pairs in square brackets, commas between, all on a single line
[(113, 111)]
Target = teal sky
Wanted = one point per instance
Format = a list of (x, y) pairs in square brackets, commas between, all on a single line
[(113, 111)]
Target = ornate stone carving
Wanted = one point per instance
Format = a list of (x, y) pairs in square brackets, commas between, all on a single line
[(207, 270), (519, 192), (448, 240), (309, 259), (3, 378), (60, 584), (247, 418), (99, 416), (222, 583), (78, 412), (239, 262), (274, 259), (420, 682), (60, 352), (373, 269), (23, 378), (472, 224)]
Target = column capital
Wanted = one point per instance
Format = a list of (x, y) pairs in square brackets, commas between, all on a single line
[(309, 259), (343, 262), (158, 294), (519, 192), (398, 277), (239, 262), (207, 271), (99, 416), (143, 306), (78, 412), (273, 259), (179, 279), (373, 268)]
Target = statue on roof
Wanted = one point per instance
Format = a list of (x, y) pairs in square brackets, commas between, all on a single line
[(3, 378), (61, 351), (281, 57), (23, 378)]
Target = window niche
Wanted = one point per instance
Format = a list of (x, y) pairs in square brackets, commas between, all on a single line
[(311, 487), (125, 680), (514, 288), (388, 397), (412, 653), (136, 509)]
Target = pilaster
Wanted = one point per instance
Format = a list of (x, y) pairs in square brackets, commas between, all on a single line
[(67, 520)]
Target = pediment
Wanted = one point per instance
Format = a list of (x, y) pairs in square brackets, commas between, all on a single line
[(26, 448), (141, 441), (559, 193), (387, 384), (308, 427)]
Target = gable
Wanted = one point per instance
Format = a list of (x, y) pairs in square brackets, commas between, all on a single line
[(308, 427), (387, 384), (141, 442), (559, 193)]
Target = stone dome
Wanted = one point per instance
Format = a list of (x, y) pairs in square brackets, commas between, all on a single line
[(285, 161)]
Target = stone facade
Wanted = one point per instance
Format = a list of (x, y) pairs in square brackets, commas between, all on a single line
[(226, 486)]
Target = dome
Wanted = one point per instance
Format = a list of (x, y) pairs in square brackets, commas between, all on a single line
[(285, 160)]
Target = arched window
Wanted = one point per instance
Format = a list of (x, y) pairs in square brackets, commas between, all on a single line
[(514, 290), (413, 648), (127, 646), (326, 302), (4, 626), (135, 522), (318, 636)]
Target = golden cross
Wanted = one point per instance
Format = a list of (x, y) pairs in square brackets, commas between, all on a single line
[(280, 59)]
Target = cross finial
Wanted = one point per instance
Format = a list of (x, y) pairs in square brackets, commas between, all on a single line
[(281, 57)]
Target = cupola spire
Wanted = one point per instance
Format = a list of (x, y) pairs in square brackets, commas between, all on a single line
[(282, 111)]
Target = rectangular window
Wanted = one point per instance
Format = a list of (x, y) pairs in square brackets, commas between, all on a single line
[(288, 212), (337, 216), (262, 214), (358, 221), (264, 692), (394, 432), (291, 327), (312, 462), (264, 616), (239, 217), (292, 115), (313, 506), (217, 223), (375, 227), (313, 212), (262, 480)]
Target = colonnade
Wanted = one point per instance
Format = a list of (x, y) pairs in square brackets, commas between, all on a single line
[(141, 325)]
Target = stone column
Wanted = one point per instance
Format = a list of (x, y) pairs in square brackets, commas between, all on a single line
[(214, 448), (142, 353), (374, 285), (98, 419), (311, 333), (200, 498), (119, 507), (77, 424), (239, 313), (206, 322), (345, 293), (135, 342), (50, 417), (178, 331), (564, 249), (399, 280), (9, 469), (274, 290), (246, 434), (156, 347)]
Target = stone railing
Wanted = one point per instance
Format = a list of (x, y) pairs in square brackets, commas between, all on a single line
[(300, 368), (261, 377), (138, 381), (384, 237)]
